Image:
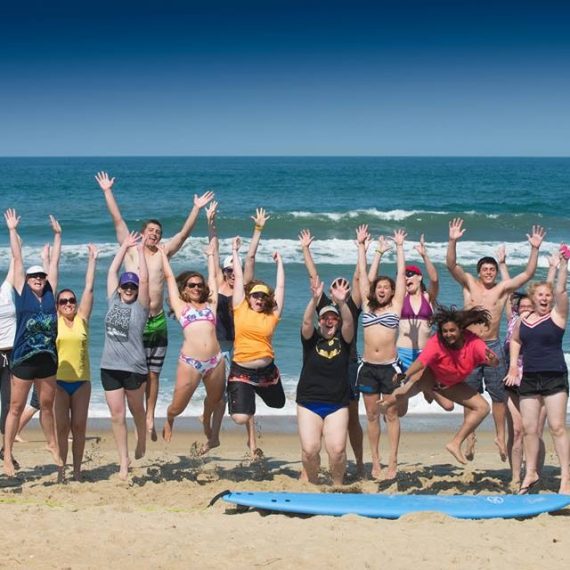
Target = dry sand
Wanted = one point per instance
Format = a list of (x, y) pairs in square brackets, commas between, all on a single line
[(160, 518)]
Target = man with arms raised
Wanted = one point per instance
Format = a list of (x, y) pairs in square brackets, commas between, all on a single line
[(485, 292), (155, 334)]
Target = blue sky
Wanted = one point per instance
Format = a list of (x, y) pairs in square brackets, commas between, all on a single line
[(273, 77)]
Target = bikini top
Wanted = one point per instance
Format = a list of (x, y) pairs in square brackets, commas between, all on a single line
[(191, 315), (388, 320), (424, 314)]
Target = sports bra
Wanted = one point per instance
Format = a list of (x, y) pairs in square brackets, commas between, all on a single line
[(388, 320), (192, 315), (424, 314)]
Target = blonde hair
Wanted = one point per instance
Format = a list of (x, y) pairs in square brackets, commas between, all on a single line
[(536, 284)]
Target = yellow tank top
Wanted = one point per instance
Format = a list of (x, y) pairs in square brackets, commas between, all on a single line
[(73, 350)]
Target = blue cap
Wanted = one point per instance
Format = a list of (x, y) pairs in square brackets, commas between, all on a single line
[(129, 277)]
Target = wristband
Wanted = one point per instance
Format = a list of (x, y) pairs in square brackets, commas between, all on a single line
[(258, 228), (379, 252)]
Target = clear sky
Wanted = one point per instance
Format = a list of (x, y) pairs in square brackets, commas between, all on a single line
[(281, 77)]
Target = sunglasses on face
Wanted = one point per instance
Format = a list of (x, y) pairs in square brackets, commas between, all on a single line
[(329, 318), (129, 287), (67, 301), (411, 274), (259, 295), (37, 276), (194, 285)]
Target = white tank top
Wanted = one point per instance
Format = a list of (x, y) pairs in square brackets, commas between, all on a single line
[(7, 316)]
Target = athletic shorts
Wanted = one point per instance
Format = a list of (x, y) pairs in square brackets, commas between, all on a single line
[(155, 339), (492, 376), (543, 383), (378, 378), (42, 365), (407, 356), (353, 379), (117, 379), (241, 397)]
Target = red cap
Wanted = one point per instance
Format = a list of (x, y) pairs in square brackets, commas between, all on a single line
[(414, 269)]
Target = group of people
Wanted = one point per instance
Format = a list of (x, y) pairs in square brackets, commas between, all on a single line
[(411, 344)]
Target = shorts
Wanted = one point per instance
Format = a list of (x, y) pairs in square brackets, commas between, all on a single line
[(155, 340), (407, 356), (262, 377), (353, 366), (42, 365), (117, 379), (543, 383), (241, 397), (378, 378), (493, 376)]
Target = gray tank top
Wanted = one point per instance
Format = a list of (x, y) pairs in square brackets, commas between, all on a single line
[(124, 326)]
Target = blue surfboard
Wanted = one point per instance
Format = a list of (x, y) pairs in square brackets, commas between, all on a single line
[(394, 506)]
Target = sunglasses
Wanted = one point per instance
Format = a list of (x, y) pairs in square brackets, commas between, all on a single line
[(194, 285), (329, 318), (129, 287), (68, 301), (411, 274), (259, 295), (228, 270), (37, 276)]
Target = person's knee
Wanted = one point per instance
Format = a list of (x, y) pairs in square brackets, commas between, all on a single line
[(240, 419), (482, 408), (310, 452), (16, 409), (557, 429)]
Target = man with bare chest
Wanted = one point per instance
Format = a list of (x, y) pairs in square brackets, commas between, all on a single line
[(155, 334), (484, 291)]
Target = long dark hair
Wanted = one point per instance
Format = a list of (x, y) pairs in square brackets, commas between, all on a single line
[(181, 281), (270, 304), (373, 303), (463, 318)]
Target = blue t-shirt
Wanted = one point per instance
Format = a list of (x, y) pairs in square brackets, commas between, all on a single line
[(36, 324)]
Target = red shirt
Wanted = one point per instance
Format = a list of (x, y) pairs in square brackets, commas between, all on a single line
[(451, 366)]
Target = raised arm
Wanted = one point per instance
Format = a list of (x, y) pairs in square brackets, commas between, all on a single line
[(177, 240), (456, 231), (260, 219), (340, 296), (211, 212), (512, 377), (114, 268), (535, 239), (106, 184), (306, 239), (53, 268), (238, 294), (86, 305), (18, 276), (361, 233), (560, 295), (433, 287), (382, 247), (501, 255), (553, 262), (279, 284), (307, 327), (144, 288), (399, 238), (174, 299), (45, 255), (211, 260)]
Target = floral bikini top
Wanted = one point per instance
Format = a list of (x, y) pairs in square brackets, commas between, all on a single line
[(191, 315)]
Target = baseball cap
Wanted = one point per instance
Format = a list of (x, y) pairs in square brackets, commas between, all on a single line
[(328, 309), (413, 269), (228, 262), (129, 277), (259, 288), (35, 269)]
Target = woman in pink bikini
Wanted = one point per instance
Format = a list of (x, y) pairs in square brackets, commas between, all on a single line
[(194, 303)]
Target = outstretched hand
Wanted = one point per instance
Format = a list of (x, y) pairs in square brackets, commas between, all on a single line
[(383, 245), (105, 183), (536, 237), (456, 229), (340, 291), (277, 257), (211, 211), (54, 225), (306, 238), (12, 219), (201, 201), (236, 243), (501, 254), (92, 251), (399, 237), (133, 240), (362, 234), (260, 217), (421, 246)]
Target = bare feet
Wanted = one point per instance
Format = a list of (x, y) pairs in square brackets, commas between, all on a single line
[(391, 473), (151, 429), (564, 488), (55, 454), (257, 455), (502, 449), (61, 474), (360, 471), (455, 450), (376, 471), (140, 450), (124, 471), (19, 439), (528, 485), (9, 469), (210, 444), (470, 442), (167, 430), (78, 476)]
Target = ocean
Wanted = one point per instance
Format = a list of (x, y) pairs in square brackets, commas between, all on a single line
[(499, 199)]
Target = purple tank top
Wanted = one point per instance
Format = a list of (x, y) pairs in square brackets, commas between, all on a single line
[(424, 314)]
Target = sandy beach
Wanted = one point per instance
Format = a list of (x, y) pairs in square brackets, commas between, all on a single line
[(160, 518)]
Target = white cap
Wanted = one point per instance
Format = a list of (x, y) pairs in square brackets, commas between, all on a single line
[(228, 262), (35, 269)]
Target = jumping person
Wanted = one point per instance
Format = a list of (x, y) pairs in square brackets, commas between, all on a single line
[(486, 292), (444, 364), (34, 356), (323, 391), (155, 335)]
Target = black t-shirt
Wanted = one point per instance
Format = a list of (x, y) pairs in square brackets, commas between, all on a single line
[(355, 311), (224, 318), (324, 377)]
